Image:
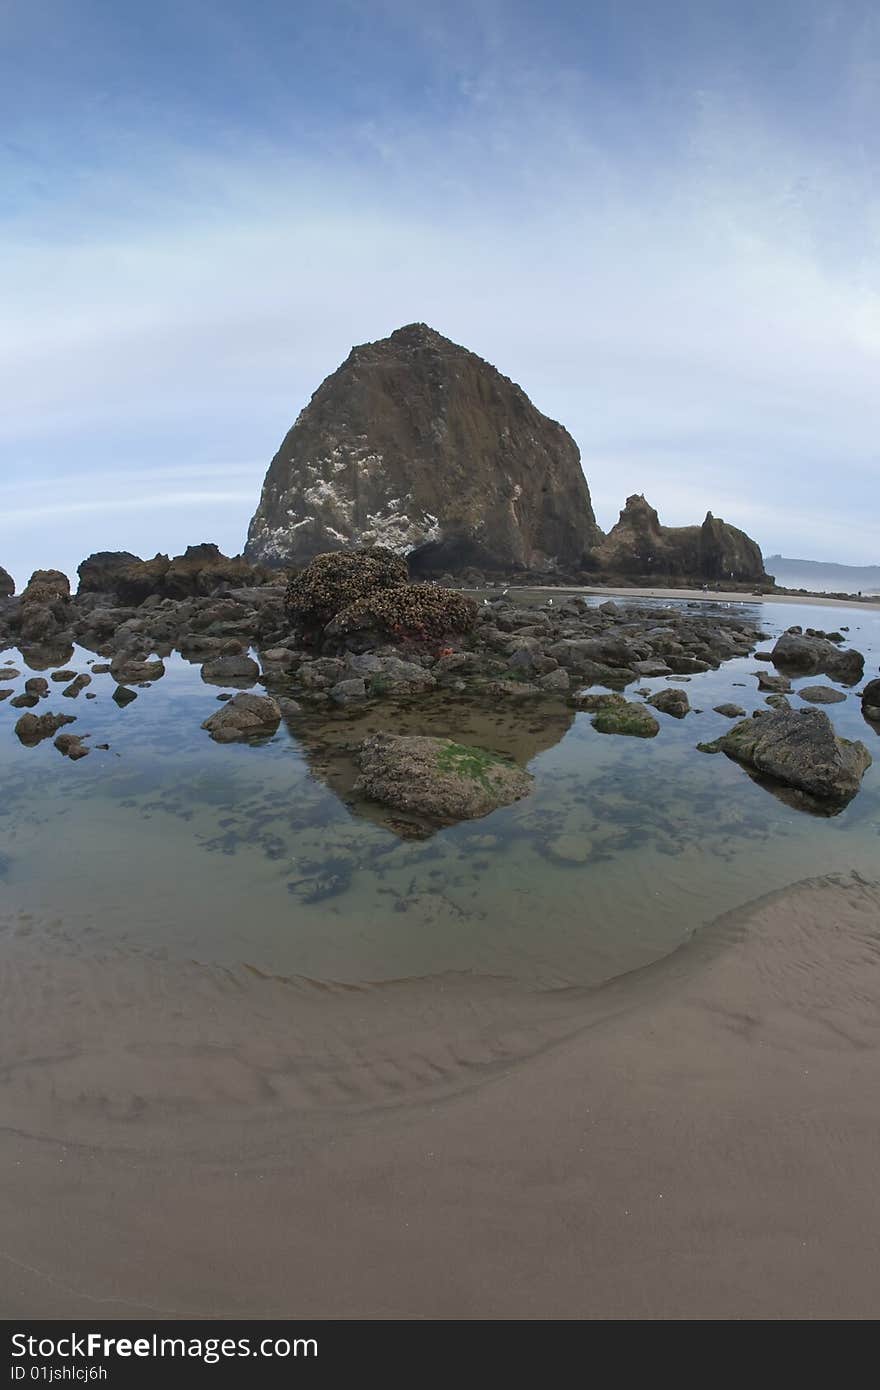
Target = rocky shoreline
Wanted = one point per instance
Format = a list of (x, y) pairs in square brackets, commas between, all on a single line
[(352, 629)]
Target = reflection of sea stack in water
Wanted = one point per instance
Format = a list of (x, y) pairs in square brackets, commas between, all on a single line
[(332, 750)]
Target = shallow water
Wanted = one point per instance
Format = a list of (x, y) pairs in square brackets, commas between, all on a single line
[(172, 898)]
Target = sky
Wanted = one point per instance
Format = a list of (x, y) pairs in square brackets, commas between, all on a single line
[(660, 217)]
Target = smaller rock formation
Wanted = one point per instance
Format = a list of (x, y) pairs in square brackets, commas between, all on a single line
[(46, 586), (7, 584), (198, 572), (639, 547), (799, 654), (436, 779), (800, 749), (244, 716), (98, 572)]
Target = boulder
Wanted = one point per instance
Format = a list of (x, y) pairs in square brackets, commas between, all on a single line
[(871, 701), (416, 444), (671, 701), (777, 685), (436, 779), (244, 716), (796, 653), (125, 667), (7, 584), (730, 711), (626, 718), (98, 572), (361, 598), (45, 587), (230, 670), (800, 749)]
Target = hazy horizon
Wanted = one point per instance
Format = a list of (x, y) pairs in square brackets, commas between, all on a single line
[(662, 221)]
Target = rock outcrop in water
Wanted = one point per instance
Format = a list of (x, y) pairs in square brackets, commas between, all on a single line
[(417, 444), (436, 779), (639, 547), (800, 749), (798, 653)]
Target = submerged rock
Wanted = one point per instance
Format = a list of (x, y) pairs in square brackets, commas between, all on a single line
[(123, 696), (821, 695), (800, 749), (244, 716), (730, 711), (437, 779)]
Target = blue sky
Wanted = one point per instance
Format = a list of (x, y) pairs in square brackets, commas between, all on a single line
[(662, 219)]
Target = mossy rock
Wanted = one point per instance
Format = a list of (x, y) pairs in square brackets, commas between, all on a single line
[(627, 718), (436, 780)]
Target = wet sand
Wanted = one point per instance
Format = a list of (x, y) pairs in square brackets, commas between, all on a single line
[(725, 596), (698, 1139)]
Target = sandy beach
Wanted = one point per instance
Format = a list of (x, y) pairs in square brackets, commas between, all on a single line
[(702, 1143), (725, 596)]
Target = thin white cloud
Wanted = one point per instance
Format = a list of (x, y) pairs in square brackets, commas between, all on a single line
[(708, 331)]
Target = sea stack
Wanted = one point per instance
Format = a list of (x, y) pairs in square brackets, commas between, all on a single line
[(417, 444)]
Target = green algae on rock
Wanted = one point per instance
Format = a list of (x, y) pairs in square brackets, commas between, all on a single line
[(436, 778), (626, 718)]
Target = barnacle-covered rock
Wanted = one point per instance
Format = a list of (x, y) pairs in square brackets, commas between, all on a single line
[(333, 582), (420, 612)]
